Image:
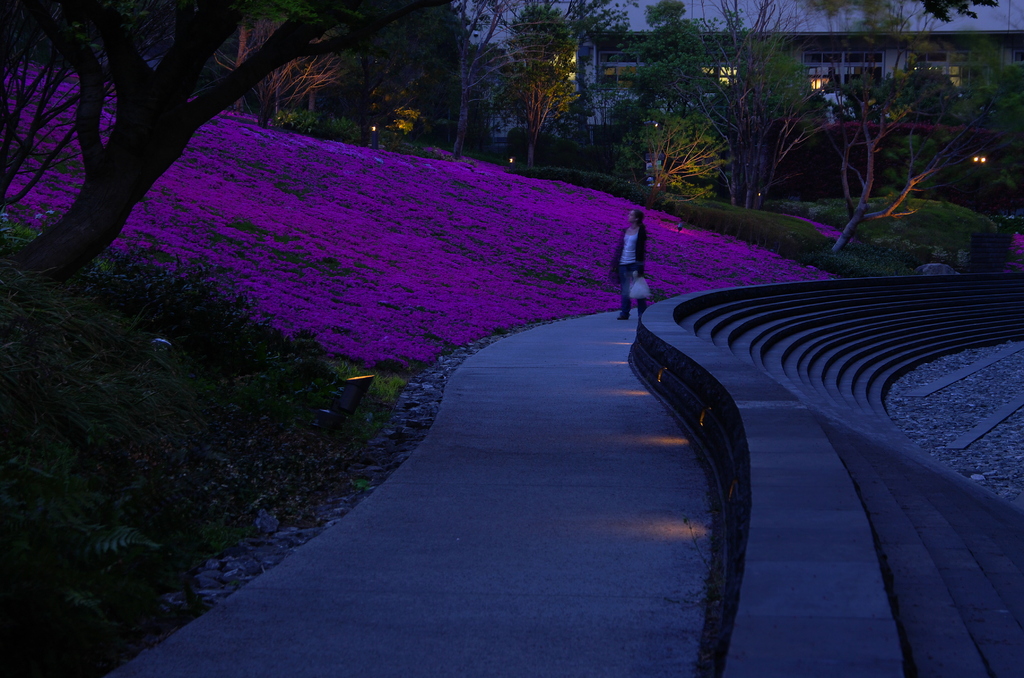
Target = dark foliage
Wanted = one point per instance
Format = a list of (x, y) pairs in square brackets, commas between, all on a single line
[(318, 125), (812, 170), (215, 327), (562, 152), (97, 524), (858, 260), (72, 573), (620, 188), (788, 237)]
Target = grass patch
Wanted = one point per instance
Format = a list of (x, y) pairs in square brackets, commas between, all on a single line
[(219, 238), (293, 189), (247, 226)]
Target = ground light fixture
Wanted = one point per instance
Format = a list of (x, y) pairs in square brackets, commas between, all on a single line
[(374, 138), (344, 402)]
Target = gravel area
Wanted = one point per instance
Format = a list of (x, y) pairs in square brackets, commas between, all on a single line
[(996, 460)]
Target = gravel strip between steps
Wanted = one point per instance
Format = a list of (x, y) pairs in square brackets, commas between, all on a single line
[(995, 460)]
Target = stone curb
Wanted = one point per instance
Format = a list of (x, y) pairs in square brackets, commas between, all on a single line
[(808, 594)]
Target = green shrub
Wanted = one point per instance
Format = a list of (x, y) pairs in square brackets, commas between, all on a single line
[(242, 359), (620, 188), (13, 236), (216, 327), (789, 237), (828, 211), (72, 573), (421, 151), (318, 125), (1007, 224), (76, 568), (108, 492), (70, 372), (858, 260), (933, 231)]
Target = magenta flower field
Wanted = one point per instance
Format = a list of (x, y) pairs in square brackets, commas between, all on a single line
[(1017, 250), (386, 256)]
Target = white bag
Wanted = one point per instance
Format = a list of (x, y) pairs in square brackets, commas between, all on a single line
[(639, 288)]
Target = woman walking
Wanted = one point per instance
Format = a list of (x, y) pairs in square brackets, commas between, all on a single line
[(629, 259)]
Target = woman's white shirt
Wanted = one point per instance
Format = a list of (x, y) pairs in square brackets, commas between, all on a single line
[(628, 249)]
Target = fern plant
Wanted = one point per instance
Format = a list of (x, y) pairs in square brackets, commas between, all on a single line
[(71, 574)]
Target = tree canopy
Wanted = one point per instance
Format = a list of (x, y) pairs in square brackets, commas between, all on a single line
[(538, 84), (154, 53)]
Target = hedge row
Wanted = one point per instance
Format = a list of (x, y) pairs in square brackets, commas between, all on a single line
[(620, 188)]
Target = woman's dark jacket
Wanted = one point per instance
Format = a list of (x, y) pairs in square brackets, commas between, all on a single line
[(641, 251)]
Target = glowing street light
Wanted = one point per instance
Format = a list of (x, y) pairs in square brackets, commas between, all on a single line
[(978, 160)]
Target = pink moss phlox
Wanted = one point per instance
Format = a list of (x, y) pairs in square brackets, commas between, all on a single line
[(1016, 253), (385, 256)]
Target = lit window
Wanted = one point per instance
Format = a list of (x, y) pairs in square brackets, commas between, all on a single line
[(725, 74), (952, 64), (844, 67), (615, 69)]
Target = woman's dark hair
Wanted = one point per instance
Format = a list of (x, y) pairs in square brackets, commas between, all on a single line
[(641, 235)]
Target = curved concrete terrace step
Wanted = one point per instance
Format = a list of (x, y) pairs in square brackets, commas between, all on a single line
[(849, 551)]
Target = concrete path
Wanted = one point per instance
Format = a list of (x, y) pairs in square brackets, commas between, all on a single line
[(553, 523)]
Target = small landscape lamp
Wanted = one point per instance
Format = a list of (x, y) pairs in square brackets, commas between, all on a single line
[(355, 389), (345, 403), (374, 138), (512, 163)]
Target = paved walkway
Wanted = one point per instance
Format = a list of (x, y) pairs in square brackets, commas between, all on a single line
[(543, 528)]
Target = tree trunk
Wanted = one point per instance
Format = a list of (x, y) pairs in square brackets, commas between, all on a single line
[(851, 226), (652, 197), (110, 192), (243, 42), (263, 118), (93, 221), (463, 127)]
